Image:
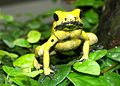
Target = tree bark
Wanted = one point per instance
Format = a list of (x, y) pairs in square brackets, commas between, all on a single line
[(109, 25)]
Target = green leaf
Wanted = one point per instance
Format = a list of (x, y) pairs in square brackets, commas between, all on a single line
[(98, 3), (34, 82), (12, 71), (33, 73), (20, 80), (19, 72), (34, 25), (22, 43), (24, 81), (107, 64), (25, 61), (112, 78), (5, 85), (84, 3), (91, 16), (89, 67), (33, 36), (114, 53), (86, 24), (8, 18), (86, 80), (60, 75), (9, 42), (12, 55), (64, 83), (3, 53), (98, 54)]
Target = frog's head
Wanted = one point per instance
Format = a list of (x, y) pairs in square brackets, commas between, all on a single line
[(67, 20)]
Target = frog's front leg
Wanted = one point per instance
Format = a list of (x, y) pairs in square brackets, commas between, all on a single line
[(85, 50), (90, 39), (46, 55), (86, 45), (38, 53)]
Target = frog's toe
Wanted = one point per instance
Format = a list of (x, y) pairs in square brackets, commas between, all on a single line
[(48, 71), (38, 66)]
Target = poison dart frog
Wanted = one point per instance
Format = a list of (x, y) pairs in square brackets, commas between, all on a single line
[(66, 35)]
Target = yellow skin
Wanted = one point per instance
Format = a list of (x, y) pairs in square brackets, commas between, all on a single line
[(67, 34)]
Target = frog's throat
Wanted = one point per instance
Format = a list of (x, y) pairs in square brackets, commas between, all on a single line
[(70, 25)]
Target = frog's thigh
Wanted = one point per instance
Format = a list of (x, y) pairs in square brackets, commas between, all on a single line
[(93, 38), (68, 45)]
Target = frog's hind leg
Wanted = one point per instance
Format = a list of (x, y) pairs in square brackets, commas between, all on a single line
[(93, 38)]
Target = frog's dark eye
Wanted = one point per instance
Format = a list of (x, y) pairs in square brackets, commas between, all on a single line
[(81, 14), (55, 16)]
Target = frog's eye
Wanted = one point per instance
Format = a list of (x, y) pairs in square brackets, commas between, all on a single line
[(81, 14), (55, 16)]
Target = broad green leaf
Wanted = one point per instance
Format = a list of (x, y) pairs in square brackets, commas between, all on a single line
[(33, 82), (20, 80), (89, 67), (114, 54), (98, 54), (5, 85), (98, 3), (79, 79), (8, 38), (93, 3), (33, 73), (91, 16), (8, 18), (107, 64), (84, 2), (12, 55), (60, 75), (9, 42), (64, 83), (25, 61), (33, 36), (34, 25), (24, 81), (12, 71), (117, 67), (22, 43), (112, 78), (19, 72), (3, 53), (86, 24)]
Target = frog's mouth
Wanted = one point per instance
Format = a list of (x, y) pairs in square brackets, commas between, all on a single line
[(72, 25)]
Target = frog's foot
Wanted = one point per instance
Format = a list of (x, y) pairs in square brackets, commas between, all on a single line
[(47, 71), (37, 65)]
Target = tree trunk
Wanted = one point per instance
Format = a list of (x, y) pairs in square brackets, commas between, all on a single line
[(109, 26)]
